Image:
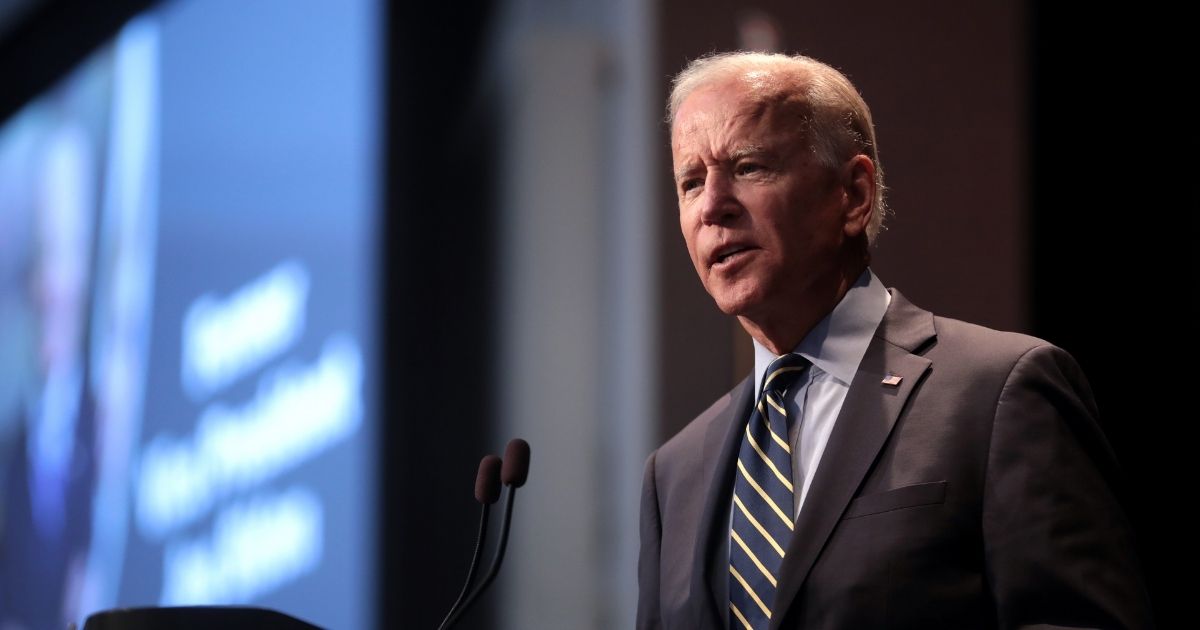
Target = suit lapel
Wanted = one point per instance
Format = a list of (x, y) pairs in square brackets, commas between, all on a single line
[(868, 414), (710, 582)]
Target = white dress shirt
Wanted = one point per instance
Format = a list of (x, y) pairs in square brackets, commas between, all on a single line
[(835, 347)]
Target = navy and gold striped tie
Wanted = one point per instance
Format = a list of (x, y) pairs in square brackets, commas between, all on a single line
[(763, 500)]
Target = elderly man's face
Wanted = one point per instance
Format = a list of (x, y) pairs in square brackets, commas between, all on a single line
[(763, 220)]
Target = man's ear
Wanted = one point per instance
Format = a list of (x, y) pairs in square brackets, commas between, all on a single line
[(858, 188)]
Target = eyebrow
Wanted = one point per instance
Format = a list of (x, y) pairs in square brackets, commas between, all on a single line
[(734, 156), (684, 172), (747, 150)]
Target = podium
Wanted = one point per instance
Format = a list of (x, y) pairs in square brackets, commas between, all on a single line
[(195, 618)]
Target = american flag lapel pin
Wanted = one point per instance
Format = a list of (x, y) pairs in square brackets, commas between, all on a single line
[(891, 380)]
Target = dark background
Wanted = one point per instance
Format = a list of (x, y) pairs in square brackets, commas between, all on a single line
[(1083, 153)]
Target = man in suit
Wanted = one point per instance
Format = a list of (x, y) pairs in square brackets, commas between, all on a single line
[(883, 467)]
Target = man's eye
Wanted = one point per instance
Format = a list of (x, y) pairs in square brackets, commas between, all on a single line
[(689, 184), (745, 168)]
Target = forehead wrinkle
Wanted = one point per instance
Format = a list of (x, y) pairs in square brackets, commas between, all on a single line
[(712, 129), (729, 113), (719, 129)]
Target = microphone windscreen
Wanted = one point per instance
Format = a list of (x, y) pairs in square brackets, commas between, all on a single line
[(487, 483), (516, 463)]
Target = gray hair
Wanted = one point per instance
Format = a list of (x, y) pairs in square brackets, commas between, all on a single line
[(838, 119)]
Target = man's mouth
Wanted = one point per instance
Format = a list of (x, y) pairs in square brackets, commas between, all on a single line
[(729, 254)]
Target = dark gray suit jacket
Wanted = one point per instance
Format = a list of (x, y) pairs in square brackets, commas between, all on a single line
[(979, 492)]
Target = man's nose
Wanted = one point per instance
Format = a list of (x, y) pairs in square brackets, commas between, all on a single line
[(719, 204)]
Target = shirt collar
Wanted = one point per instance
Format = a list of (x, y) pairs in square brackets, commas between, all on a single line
[(837, 344)]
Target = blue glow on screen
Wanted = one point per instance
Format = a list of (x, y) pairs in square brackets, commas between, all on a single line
[(187, 316)]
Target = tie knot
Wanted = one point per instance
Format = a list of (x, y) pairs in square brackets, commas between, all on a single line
[(783, 372)]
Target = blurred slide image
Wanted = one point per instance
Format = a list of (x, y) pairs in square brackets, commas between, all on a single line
[(188, 284)]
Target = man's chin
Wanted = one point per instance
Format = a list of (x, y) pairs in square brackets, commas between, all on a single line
[(737, 304)]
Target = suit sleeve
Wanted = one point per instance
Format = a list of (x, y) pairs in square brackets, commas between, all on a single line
[(1059, 549), (648, 616)]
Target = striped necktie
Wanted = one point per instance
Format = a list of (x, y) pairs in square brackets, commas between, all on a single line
[(763, 500)]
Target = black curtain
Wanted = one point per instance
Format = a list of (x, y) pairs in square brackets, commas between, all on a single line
[(1112, 217)]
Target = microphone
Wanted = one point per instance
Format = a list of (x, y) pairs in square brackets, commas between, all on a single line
[(487, 491), (516, 463), (487, 482), (513, 473)]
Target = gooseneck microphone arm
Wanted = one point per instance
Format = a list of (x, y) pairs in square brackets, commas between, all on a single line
[(487, 491), (514, 473)]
